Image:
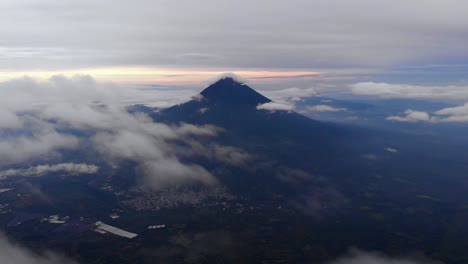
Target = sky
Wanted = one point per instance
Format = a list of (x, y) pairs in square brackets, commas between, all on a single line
[(186, 42)]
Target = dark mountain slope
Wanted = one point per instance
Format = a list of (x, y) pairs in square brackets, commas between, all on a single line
[(279, 134)]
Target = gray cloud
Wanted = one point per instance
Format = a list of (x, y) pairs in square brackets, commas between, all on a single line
[(43, 112), (387, 90), (294, 34), (214, 152), (289, 95), (15, 254), (149, 144), (315, 195), (14, 149), (285, 99)]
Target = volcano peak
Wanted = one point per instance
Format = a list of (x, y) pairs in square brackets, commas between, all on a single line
[(232, 92)]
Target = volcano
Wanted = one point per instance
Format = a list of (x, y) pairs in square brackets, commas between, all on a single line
[(232, 106), (230, 92)]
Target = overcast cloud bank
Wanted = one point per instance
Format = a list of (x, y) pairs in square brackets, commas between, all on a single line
[(313, 34)]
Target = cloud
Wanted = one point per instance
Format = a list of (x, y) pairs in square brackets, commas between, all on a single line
[(15, 254), (454, 114), (47, 117), (225, 75), (273, 106), (315, 195), (412, 116), (391, 150), (150, 145), (458, 114), (313, 34), (16, 149), (162, 173), (362, 257), (214, 152), (387, 90), (285, 99), (370, 156), (289, 95), (71, 168), (324, 108)]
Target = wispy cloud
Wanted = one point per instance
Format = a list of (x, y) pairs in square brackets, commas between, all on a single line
[(44, 117), (412, 116), (273, 106), (13, 253), (363, 257), (324, 108), (70, 168)]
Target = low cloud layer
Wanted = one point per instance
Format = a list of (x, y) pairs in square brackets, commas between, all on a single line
[(458, 114), (69, 168), (387, 90), (412, 116), (43, 118), (273, 106), (324, 108), (289, 94), (285, 99), (12, 253)]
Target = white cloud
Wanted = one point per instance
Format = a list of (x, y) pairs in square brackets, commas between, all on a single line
[(412, 116), (150, 145), (225, 75), (289, 95), (12, 253), (273, 106), (391, 150), (362, 257), (197, 97), (324, 108), (42, 114), (387, 90), (285, 99), (71, 168), (458, 114), (454, 114), (14, 149)]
